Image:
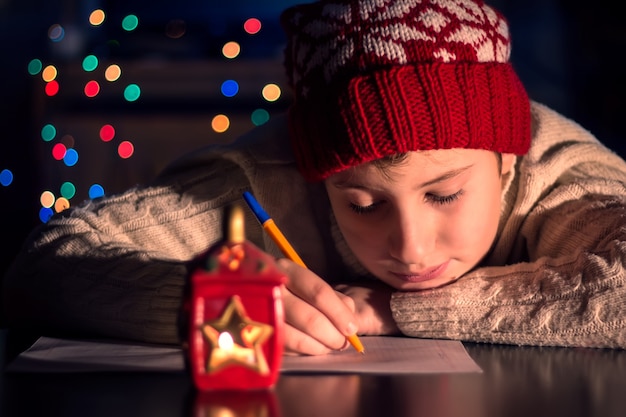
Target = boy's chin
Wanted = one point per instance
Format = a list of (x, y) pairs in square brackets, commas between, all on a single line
[(408, 285)]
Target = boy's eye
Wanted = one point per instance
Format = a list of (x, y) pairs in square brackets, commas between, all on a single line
[(444, 199), (358, 209), (433, 198)]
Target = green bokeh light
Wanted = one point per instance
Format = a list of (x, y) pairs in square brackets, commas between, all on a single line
[(48, 132), (132, 92), (259, 117), (68, 190), (130, 22), (90, 63), (34, 66)]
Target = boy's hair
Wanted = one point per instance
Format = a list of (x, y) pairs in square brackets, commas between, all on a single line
[(386, 162), (373, 78)]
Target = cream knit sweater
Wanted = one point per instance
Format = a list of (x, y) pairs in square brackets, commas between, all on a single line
[(115, 267)]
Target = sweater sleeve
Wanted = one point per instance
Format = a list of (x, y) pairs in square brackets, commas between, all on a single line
[(116, 267), (572, 294)]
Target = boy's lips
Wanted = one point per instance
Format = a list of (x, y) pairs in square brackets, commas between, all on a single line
[(424, 275)]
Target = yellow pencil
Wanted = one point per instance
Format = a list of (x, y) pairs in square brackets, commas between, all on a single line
[(277, 236)]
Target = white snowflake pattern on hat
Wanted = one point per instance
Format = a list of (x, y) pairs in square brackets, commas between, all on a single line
[(395, 32)]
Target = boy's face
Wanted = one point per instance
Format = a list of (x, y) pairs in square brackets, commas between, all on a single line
[(425, 221)]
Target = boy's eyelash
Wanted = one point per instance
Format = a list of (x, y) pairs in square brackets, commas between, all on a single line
[(363, 209), (445, 199), (435, 199)]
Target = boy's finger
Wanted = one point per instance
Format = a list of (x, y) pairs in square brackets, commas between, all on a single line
[(297, 342), (315, 291), (310, 321)]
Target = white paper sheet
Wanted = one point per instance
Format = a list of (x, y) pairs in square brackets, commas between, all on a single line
[(383, 355), (389, 355)]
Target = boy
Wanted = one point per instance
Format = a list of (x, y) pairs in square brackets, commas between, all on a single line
[(427, 194)]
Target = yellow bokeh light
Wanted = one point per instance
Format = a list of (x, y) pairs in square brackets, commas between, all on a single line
[(220, 123), (231, 49), (61, 204), (47, 199), (49, 73), (96, 18), (271, 92), (113, 72)]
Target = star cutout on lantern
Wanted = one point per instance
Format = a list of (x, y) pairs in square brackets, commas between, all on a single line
[(236, 340)]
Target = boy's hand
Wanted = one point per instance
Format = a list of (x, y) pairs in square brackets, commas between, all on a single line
[(372, 307), (317, 318)]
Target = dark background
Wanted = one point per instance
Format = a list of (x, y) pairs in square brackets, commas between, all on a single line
[(567, 53)]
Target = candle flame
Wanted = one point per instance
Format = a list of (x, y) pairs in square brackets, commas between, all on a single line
[(225, 341)]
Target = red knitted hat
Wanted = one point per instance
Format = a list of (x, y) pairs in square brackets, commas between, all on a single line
[(373, 78)]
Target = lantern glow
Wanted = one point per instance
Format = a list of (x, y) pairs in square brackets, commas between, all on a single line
[(234, 308)]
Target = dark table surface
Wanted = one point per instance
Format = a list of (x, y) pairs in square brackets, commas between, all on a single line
[(517, 381)]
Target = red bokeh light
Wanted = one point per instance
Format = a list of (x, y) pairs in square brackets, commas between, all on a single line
[(92, 88)]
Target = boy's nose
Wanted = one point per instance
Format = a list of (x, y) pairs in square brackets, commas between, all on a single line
[(412, 239)]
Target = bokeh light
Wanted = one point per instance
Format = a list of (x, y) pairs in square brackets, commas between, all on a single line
[(259, 117), (49, 73), (231, 49), (58, 151), (68, 190), (92, 88), (96, 191), (68, 141), (175, 28), (125, 149), (61, 204), (45, 213), (55, 76), (220, 123), (56, 33), (130, 22), (47, 199), (107, 133), (271, 92), (113, 73), (96, 18), (71, 157), (252, 26), (48, 132), (52, 88), (132, 92), (6, 177), (34, 66), (90, 63), (230, 88)]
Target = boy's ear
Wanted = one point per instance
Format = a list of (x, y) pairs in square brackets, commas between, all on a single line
[(508, 159)]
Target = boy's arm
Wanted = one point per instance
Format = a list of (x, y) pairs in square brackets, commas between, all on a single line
[(572, 293), (116, 267)]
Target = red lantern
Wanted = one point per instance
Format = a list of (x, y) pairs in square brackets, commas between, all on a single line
[(234, 314)]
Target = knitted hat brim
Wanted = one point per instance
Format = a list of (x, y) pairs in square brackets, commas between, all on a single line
[(471, 105)]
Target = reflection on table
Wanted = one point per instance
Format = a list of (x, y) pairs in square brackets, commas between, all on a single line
[(517, 381)]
